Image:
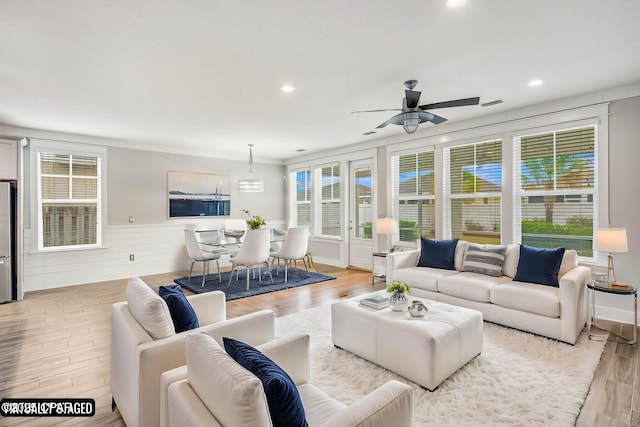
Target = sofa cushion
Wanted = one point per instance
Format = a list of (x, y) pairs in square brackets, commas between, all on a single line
[(285, 405), (471, 286), (527, 297), (183, 316), (421, 277), (234, 395), (437, 253), (318, 406), (149, 309), (487, 261), (538, 265)]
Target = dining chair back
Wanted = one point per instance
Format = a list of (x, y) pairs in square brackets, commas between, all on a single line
[(293, 248), (195, 254), (254, 252)]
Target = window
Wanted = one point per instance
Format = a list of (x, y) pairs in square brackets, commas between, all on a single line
[(473, 190), (302, 197), (69, 200), (558, 169), (330, 206), (413, 195)]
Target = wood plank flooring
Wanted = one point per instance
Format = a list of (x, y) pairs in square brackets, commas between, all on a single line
[(56, 343)]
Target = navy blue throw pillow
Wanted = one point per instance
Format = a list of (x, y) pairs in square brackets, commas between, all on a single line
[(282, 394), (537, 265), (182, 314), (437, 253)]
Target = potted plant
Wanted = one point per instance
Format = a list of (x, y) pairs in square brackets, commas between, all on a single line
[(398, 300), (254, 222)]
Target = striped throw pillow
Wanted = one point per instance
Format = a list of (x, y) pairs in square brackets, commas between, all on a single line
[(487, 261)]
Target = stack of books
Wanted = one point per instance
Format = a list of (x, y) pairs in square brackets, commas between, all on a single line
[(376, 302)]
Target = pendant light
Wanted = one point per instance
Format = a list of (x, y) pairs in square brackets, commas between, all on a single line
[(251, 183)]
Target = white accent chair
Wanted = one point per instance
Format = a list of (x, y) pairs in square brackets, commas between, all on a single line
[(293, 248), (253, 253), (138, 359), (196, 254), (207, 391)]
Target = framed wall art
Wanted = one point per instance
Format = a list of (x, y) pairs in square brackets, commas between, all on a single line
[(193, 194)]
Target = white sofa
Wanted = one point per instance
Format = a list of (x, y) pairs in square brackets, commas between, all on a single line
[(554, 312), (138, 360), (213, 390)]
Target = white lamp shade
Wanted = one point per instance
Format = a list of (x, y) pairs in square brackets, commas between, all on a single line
[(386, 226), (611, 240), (251, 184)]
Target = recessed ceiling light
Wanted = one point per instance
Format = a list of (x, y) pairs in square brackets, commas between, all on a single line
[(455, 3), (287, 88), (536, 82)]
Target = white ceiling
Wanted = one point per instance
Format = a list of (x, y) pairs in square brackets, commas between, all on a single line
[(205, 74)]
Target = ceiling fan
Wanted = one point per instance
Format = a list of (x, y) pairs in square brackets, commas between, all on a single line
[(413, 114)]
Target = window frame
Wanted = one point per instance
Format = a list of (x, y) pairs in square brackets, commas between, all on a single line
[(66, 149)]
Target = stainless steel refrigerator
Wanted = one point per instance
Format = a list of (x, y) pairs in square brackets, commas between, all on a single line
[(7, 240)]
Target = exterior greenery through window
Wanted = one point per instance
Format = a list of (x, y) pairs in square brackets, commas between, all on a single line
[(473, 191), (556, 171), (413, 194), (69, 200)]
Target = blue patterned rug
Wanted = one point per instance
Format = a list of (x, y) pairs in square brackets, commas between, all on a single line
[(238, 289)]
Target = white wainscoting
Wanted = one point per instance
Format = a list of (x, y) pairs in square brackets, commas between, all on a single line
[(157, 248)]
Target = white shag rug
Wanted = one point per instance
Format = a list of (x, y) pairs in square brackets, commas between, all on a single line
[(519, 379)]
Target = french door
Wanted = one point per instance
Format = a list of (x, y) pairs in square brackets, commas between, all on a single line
[(362, 213)]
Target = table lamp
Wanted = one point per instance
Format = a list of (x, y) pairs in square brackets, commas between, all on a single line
[(611, 240), (386, 226)]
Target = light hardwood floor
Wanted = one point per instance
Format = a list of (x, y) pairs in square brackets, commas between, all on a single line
[(56, 343)]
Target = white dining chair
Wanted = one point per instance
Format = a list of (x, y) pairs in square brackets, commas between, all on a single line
[(196, 254), (293, 248), (253, 253), (235, 227)]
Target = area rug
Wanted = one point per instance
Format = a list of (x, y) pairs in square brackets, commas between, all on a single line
[(238, 289), (519, 379)]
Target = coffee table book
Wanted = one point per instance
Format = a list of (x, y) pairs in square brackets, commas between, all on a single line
[(376, 302)]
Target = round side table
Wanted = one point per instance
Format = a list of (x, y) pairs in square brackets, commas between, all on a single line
[(616, 290)]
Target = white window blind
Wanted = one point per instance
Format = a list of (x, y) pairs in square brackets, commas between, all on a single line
[(302, 198), (330, 205), (413, 194), (472, 191), (555, 173), (69, 199)]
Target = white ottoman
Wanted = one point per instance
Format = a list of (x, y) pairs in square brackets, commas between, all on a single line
[(426, 351)]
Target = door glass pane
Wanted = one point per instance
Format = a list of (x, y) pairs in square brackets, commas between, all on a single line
[(362, 209)]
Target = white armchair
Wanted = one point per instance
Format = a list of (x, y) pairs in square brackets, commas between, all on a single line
[(186, 403), (138, 360)]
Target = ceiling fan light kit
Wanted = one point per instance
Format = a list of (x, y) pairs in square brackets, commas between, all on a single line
[(413, 114), (250, 183)]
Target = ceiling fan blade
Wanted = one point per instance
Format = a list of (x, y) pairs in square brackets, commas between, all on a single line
[(436, 120), (395, 120), (453, 103), (412, 97), (375, 111)]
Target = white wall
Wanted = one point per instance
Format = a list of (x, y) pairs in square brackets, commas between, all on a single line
[(137, 186)]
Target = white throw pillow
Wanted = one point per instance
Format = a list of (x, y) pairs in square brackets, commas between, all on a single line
[(511, 258), (231, 393), (149, 309), (569, 261)]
